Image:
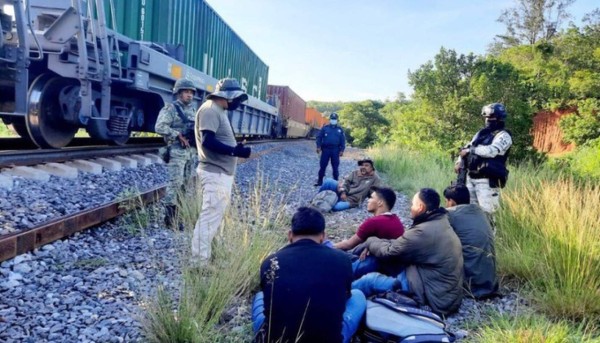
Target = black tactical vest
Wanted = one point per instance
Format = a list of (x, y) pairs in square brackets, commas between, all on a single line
[(488, 168)]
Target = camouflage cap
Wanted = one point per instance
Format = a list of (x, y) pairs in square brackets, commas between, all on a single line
[(183, 84)]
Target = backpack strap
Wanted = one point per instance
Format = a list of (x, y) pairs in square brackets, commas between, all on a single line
[(412, 311), (180, 112)]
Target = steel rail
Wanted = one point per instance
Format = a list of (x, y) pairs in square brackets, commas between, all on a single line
[(33, 157), (23, 241), (13, 158), (17, 143), (18, 243)]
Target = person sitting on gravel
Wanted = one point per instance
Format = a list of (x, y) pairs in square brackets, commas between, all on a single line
[(384, 224), (355, 187), (473, 228), (305, 289), (426, 261)]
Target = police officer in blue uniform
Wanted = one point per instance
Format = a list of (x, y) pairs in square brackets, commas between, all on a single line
[(331, 143)]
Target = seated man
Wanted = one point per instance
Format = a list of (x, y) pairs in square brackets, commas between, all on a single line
[(384, 224), (355, 187), (306, 289), (427, 258), (473, 228)]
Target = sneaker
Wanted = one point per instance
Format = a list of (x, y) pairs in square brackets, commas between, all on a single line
[(318, 184)]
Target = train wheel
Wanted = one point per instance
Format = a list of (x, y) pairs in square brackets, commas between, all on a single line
[(45, 122), (20, 127)]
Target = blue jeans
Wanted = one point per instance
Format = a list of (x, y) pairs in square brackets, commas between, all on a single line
[(328, 244), (371, 282), (355, 309), (332, 185), (360, 268), (375, 283)]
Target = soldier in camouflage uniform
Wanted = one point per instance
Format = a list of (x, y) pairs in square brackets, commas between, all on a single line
[(179, 136)]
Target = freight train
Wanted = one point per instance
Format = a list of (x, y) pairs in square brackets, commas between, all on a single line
[(297, 120), (109, 67)]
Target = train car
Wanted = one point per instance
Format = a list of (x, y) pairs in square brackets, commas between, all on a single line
[(315, 120), (297, 130), (292, 110), (208, 43), (62, 69)]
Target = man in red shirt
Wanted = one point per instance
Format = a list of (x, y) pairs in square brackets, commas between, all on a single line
[(384, 224)]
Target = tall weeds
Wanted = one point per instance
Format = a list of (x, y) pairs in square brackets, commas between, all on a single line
[(548, 228), (530, 328), (412, 170), (547, 236), (253, 228)]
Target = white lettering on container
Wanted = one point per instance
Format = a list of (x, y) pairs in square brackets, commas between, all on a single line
[(142, 19)]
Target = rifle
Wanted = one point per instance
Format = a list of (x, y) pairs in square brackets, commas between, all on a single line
[(189, 132), (461, 178)]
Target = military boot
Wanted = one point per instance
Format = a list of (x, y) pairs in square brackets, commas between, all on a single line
[(319, 182), (170, 216)]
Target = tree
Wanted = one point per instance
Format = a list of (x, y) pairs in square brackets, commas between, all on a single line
[(449, 94), (326, 107), (592, 18), (533, 20), (362, 121), (584, 125)]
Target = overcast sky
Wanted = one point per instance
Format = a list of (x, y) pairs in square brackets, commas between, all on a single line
[(351, 50)]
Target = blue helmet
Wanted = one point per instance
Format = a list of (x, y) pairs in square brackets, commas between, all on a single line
[(333, 116), (495, 110)]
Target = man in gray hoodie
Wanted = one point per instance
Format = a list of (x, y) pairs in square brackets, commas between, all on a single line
[(427, 259)]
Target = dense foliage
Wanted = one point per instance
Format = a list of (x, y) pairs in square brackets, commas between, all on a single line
[(326, 107), (534, 66)]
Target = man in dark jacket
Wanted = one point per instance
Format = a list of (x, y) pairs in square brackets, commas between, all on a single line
[(428, 258), (331, 143), (473, 229), (306, 289)]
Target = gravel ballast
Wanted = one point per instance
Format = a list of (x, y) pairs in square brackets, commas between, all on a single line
[(94, 286)]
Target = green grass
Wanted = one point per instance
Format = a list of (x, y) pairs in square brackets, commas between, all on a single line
[(546, 236), (412, 170), (531, 328), (90, 263), (547, 241), (253, 228), (137, 216), (548, 227), (6, 130)]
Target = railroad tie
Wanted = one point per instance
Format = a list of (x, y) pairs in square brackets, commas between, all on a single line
[(6, 181)]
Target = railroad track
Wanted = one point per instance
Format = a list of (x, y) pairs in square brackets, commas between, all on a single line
[(18, 243), (20, 156), (23, 241), (17, 143), (16, 158)]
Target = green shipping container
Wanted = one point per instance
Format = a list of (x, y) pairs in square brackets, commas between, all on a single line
[(210, 44)]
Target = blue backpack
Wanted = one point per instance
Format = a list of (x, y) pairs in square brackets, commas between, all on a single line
[(390, 322)]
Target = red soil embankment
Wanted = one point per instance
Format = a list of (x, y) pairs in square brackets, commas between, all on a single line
[(547, 136)]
